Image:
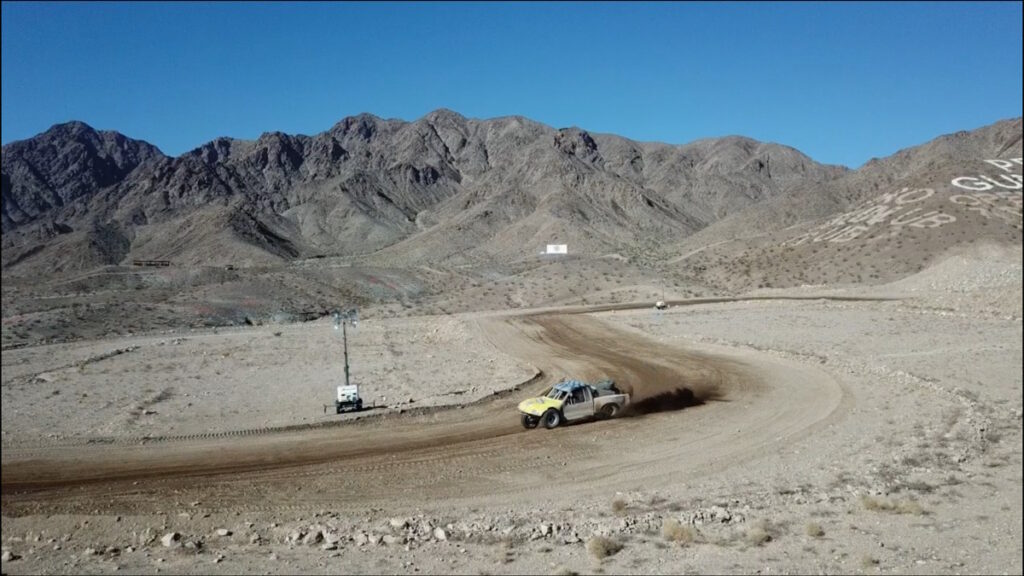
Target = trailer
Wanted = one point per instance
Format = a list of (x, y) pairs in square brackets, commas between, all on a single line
[(348, 399)]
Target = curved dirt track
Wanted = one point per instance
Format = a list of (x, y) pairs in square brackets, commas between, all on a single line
[(476, 454)]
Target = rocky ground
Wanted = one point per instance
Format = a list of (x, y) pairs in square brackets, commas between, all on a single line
[(874, 437), (231, 379)]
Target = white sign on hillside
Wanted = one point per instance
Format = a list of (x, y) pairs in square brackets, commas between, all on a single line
[(557, 249)]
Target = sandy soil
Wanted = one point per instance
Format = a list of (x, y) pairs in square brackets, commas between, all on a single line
[(834, 436), (238, 379)]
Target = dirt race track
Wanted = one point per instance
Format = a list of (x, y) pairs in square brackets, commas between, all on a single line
[(835, 435), (742, 403)]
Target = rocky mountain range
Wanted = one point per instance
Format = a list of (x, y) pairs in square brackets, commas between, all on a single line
[(442, 189)]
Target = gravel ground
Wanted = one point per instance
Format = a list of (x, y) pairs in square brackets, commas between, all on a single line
[(917, 468)]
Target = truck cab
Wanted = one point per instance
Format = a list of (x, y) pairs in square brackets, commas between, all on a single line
[(579, 404)]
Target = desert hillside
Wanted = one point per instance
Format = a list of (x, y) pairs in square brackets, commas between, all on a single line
[(449, 214), (443, 189), (891, 218)]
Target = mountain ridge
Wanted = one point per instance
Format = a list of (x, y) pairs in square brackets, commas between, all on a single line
[(367, 183), (445, 214), (443, 188)]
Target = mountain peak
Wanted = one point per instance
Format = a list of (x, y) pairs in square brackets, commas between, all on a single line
[(71, 126), (363, 124), (70, 130), (444, 115)]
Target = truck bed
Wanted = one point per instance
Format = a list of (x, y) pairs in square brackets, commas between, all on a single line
[(605, 388)]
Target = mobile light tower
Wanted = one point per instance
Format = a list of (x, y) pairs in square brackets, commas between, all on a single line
[(348, 394)]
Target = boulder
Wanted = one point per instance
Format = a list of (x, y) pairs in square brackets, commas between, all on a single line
[(314, 537), (171, 539)]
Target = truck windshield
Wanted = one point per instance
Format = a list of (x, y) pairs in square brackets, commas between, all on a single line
[(556, 394)]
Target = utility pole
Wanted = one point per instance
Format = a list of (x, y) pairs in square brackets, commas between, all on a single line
[(342, 319), (344, 339)]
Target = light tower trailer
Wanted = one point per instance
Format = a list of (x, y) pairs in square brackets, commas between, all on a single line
[(348, 399), (348, 394)]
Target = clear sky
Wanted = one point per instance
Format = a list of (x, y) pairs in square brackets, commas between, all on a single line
[(842, 82)]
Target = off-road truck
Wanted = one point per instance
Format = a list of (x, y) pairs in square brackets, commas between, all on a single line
[(573, 400)]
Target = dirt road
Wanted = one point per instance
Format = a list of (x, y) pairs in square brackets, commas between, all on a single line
[(475, 454)]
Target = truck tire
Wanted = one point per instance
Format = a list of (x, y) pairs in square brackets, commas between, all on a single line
[(551, 419), (337, 409), (609, 410), (359, 406), (530, 422)]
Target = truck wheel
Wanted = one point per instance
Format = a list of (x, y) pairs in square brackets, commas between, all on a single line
[(337, 409), (530, 422), (359, 406), (551, 419), (609, 410)]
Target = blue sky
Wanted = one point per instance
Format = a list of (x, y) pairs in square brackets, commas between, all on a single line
[(842, 82)]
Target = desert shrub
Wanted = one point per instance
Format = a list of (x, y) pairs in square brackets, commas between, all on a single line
[(880, 504), (619, 505), (673, 531), (814, 530), (867, 561), (601, 547), (760, 533), (655, 500)]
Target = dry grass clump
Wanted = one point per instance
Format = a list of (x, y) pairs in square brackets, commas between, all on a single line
[(600, 547), (503, 553), (814, 530), (619, 506), (760, 533), (880, 504), (563, 571), (673, 531)]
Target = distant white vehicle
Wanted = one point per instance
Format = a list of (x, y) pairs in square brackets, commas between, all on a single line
[(660, 305)]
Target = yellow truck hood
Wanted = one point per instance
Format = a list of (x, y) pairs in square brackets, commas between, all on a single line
[(538, 406)]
